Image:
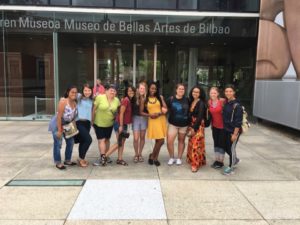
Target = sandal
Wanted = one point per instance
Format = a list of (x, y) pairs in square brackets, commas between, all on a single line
[(156, 162), (60, 166), (82, 163), (150, 161), (103, 160), (70, 163), (194, 169), (122, 162), (135, 159), (141, 159)]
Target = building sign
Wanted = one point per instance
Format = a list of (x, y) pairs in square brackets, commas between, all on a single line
[(201, 26)]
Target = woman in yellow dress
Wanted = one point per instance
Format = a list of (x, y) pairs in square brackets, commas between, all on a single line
[(155, 108)]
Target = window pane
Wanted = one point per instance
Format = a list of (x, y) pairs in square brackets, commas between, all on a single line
[(29, 2), (103, 3), (230, 5), (59, 2), (2, 83), (30, 82), (125, 3), (187, 4), (156, 4)]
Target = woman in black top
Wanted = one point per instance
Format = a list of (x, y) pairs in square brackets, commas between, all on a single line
[(196, 146), (232, 118), (178, 107)]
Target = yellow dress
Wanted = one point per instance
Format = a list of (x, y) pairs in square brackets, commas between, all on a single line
[(157, 128)]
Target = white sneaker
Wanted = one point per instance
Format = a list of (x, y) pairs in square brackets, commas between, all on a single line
[(178, 162), (171, 161)]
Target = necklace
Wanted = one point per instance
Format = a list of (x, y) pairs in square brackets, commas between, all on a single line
[(155, 100)]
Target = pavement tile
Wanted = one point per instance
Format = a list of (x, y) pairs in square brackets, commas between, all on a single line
[(260, 170), (293, 166), (277, 151), (132, 171), (116, 222), (32, 222), (45, 169), (3, 182), (274, 200), (119, 199), (205, 200), (10, 167), (218, 222), (37, 203), (24, 150), (284, 222)]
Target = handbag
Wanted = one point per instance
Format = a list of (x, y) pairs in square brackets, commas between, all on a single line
[(70, 129)]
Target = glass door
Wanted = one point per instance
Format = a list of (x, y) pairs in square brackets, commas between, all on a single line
[(29, 77), (115, 64)]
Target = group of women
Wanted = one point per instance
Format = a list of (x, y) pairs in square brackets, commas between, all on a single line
[(147, 111)]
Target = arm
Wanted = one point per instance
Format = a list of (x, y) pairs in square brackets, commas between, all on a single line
[(61, 107), (237, 122), (164, 108), (142, 108), (200, 107), (122, 112), (94, 111)]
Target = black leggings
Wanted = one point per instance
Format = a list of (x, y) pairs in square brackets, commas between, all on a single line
[(84, 138), (230, 147)]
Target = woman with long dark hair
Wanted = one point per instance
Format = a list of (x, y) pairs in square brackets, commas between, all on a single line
[(196, 145), (233, 118), (155, 108), (83, 122), (66, 113), (124, 118)]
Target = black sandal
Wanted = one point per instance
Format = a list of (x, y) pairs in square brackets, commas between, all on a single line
[(103, 160), (150, 161), (156, 162), (60, 167), (122, 162), (70, 163)]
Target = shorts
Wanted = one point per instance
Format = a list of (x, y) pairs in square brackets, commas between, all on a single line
[(139, 123), (103, 132), (117, 125), (175, 130)]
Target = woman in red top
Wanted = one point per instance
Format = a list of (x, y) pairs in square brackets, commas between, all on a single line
[(215, 108)]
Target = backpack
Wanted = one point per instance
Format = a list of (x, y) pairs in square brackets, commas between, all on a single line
[(245, 123)]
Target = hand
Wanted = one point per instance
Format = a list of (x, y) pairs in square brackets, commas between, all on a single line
[(233, 137), (154, 115), (59, 134), (190, 132), (164, 110), (120, 129)]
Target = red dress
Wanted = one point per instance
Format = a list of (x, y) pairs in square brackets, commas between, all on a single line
[(196, 146)]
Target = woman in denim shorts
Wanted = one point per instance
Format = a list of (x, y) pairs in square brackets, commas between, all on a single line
[(139, 123)]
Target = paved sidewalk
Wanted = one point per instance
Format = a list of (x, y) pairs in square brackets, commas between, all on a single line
[(264, 190)]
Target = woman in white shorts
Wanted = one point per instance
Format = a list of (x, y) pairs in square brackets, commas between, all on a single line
[(178, 107), (139, 123)]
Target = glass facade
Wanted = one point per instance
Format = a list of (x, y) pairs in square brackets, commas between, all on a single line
[(42, 53), (200, 5)]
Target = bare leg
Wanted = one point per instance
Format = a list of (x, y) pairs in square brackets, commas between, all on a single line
[(181, 145), (121, 149), (156, 149), (136, 137), (142, 142), (102, 146), (170, 143)]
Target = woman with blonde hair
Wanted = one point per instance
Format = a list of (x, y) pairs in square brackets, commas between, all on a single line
[(139, 123)]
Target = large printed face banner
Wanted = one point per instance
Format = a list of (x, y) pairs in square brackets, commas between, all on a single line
[(278, 50)]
